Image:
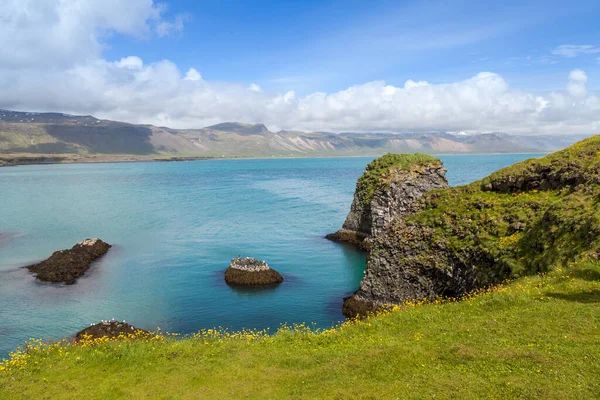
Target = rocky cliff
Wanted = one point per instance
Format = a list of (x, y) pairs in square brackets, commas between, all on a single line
[(527, 218), (389, 189)]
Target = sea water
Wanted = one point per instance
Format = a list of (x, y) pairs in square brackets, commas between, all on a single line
[(174, 227)]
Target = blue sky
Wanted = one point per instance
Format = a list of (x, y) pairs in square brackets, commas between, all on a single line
[(310, 46), (527, 67)]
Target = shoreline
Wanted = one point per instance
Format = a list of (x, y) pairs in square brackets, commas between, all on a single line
[(14, 160)]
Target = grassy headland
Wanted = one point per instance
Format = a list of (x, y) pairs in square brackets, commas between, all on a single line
[(535, 337), (531, 217)]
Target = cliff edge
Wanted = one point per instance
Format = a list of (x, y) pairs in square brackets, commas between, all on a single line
[(389, 188), (532, 217)]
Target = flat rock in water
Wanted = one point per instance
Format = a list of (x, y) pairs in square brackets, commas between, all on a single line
[(111, 329), (68, 265), (250, 271)]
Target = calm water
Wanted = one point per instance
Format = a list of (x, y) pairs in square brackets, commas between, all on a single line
[(174, 227)]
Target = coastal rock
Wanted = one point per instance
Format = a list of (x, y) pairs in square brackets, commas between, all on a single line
[(68, 265), (408, 262), (250, 271), (111, 329), (525, 219), (390, 188)]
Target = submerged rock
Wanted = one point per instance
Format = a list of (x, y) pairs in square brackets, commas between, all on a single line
[(7, 236), (68, 265), (111, 329), (390, 187), (250, 271)]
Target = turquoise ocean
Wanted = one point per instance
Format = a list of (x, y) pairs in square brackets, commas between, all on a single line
[(174, 227)]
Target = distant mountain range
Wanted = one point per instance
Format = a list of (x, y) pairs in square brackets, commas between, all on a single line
[(55, 133)]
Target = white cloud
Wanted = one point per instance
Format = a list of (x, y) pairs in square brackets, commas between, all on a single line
[(576, 86), (66, 32), (412, 84), (254, 87), (573, 50), (131, 62), (171, 28), (193, 75), (57, 65)]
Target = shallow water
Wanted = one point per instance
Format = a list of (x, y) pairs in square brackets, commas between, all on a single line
[(174, 227)]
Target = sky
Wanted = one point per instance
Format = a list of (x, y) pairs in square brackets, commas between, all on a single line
[(526, 67)]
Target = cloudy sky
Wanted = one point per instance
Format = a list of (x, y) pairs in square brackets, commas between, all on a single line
[(394, 66)]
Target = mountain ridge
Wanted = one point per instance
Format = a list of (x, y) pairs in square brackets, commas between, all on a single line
[(60, 133)]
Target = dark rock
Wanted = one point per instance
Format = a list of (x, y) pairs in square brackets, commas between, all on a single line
[(539, 176), (406, 263), (249, 271), (516, 227), (111, 329), (68, 265), (354, 238), (358, 306)]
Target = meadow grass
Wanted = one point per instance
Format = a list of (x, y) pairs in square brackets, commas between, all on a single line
[(535, 337)]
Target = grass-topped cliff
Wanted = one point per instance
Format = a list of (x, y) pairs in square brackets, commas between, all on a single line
[(536, 337), (531, 217), (387, 190), (379, 171)]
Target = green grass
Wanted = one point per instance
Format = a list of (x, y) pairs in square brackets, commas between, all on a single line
[(537, 337), (577, 164), (378, 170)]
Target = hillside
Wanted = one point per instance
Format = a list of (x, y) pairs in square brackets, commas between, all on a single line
[(33, 135)]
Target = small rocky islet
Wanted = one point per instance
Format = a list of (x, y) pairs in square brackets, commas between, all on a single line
[(67, 266), (110, 329), (250, 271)]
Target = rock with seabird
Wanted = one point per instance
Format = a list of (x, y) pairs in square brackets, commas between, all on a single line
[(110, 329), (250, 271)]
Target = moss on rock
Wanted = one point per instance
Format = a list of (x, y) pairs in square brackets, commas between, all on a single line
[(379, 171)]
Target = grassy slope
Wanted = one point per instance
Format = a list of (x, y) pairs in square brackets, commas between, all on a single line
[(537, 337)]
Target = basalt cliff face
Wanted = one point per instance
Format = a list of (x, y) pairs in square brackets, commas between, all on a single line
[(528, 218), (389, 189)]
